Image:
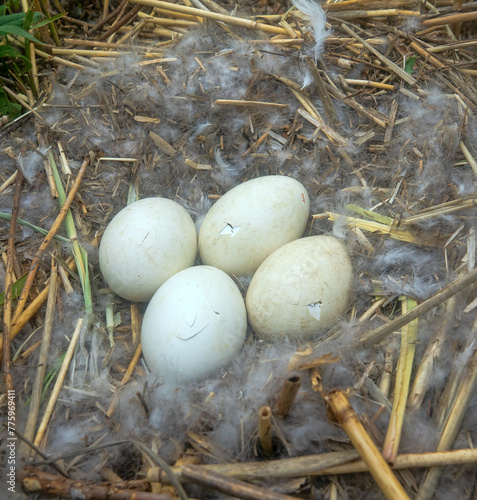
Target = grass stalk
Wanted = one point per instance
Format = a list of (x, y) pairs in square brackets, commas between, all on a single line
[(452, 425), (403, 378), (47, 240), (59, 382), (79, 253), (343, 413), (36, 391)]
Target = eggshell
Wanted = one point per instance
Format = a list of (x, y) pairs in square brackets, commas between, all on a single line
[(195, 323), (251, 221), (301, 289), (145, 244)]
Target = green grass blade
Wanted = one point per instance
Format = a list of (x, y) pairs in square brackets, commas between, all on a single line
[(11, 29), (370, 215), (47, 21), (40, 230), (79, 253)]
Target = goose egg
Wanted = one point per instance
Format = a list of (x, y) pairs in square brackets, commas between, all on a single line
[(145, 244), (300, 289), (193, 325), (251, 221)]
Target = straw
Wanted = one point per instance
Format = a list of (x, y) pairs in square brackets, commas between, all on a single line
[(343, 413)]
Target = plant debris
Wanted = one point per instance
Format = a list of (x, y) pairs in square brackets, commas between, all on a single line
[(371, 106)]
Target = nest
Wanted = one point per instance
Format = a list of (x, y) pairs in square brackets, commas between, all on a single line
[(374, 112)]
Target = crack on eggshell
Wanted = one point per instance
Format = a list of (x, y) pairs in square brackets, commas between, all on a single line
[(314, 308), (192, 333), (144, 239), (230, 230), (212, 307)]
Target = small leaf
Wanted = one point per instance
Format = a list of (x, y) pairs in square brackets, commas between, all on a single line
[(47, 21), (9, 51), (17, 288), (410, 61), (15, 19), (11, 109), (11, 29)]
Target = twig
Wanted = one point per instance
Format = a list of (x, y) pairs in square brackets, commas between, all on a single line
[(265, 429), (446, 293), (331, 463), (228, 485), (423, 375), (125, 380), (36, 391), (242, 102), (344, 414), (467, 385), (336, 138), (392, 66), (79, 253), (468, 156), (48, 238), (31, 310), (124, 20), (59, 382), (22, 102), (35, 480), (328, 106), (110, 16), (403, 377), (450, 19), (7, 312), (287, 394), (245, 23), (376, 116), (405, 461)]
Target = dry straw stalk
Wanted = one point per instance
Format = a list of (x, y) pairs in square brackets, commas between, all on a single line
[(345, 416)]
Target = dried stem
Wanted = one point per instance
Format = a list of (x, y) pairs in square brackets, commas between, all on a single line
[(451, 428), (125, 380), (35, 480), (287, 395), (59, 382), (35, 398), (245, 23), (332, 463), (31, 310), (392, 66), (125, 19), (48, 238), (446, 293), (424, 372), (265, 429), (228, 485), (345, 416), (7, 313), (403, 378), (450, 19)]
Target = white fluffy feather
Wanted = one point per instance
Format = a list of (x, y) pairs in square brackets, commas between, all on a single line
[(317, 19)]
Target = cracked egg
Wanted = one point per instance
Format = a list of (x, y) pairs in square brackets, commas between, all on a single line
[(251, 221), (194, 324), (145, 244), (300, 289)]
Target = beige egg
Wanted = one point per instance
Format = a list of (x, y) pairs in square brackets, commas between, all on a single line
[(300, 290), (251, 221)]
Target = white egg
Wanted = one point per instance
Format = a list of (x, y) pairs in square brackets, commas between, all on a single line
[(144, 245), (301, 289), (195, 324), (251, 221)]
